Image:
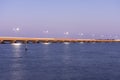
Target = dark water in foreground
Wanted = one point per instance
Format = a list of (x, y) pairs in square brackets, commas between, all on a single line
[(58, 61)]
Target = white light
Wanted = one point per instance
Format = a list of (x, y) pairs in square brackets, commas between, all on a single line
[(16, 29), (66, 43), (16, 44), (46, 43), (66, 33)]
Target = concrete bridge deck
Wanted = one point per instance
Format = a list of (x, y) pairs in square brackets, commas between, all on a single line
[(53, 40)]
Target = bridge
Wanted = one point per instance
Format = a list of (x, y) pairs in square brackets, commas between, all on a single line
[(5, 40)]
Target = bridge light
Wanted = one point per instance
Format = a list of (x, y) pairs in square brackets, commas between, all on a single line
[(46, 43), (16, 44)]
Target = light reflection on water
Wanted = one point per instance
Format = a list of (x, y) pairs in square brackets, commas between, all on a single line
[(17, 73), (57, 61), (66, 56), (16, 49), (46, 55)]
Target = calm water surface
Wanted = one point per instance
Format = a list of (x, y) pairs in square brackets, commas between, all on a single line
[(58, 61)]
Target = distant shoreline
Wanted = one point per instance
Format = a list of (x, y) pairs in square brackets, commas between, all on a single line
[(53, 40)]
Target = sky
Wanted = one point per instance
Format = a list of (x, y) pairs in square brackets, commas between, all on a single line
[(60, 18)]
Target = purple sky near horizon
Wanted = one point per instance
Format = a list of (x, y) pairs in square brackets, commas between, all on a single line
[(52, 18)]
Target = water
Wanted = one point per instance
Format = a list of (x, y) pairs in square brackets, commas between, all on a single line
[(58, 61)]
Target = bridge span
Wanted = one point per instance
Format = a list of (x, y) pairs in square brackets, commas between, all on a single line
[(4, 40)]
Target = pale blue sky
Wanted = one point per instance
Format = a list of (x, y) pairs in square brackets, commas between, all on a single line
[(34, 17)]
